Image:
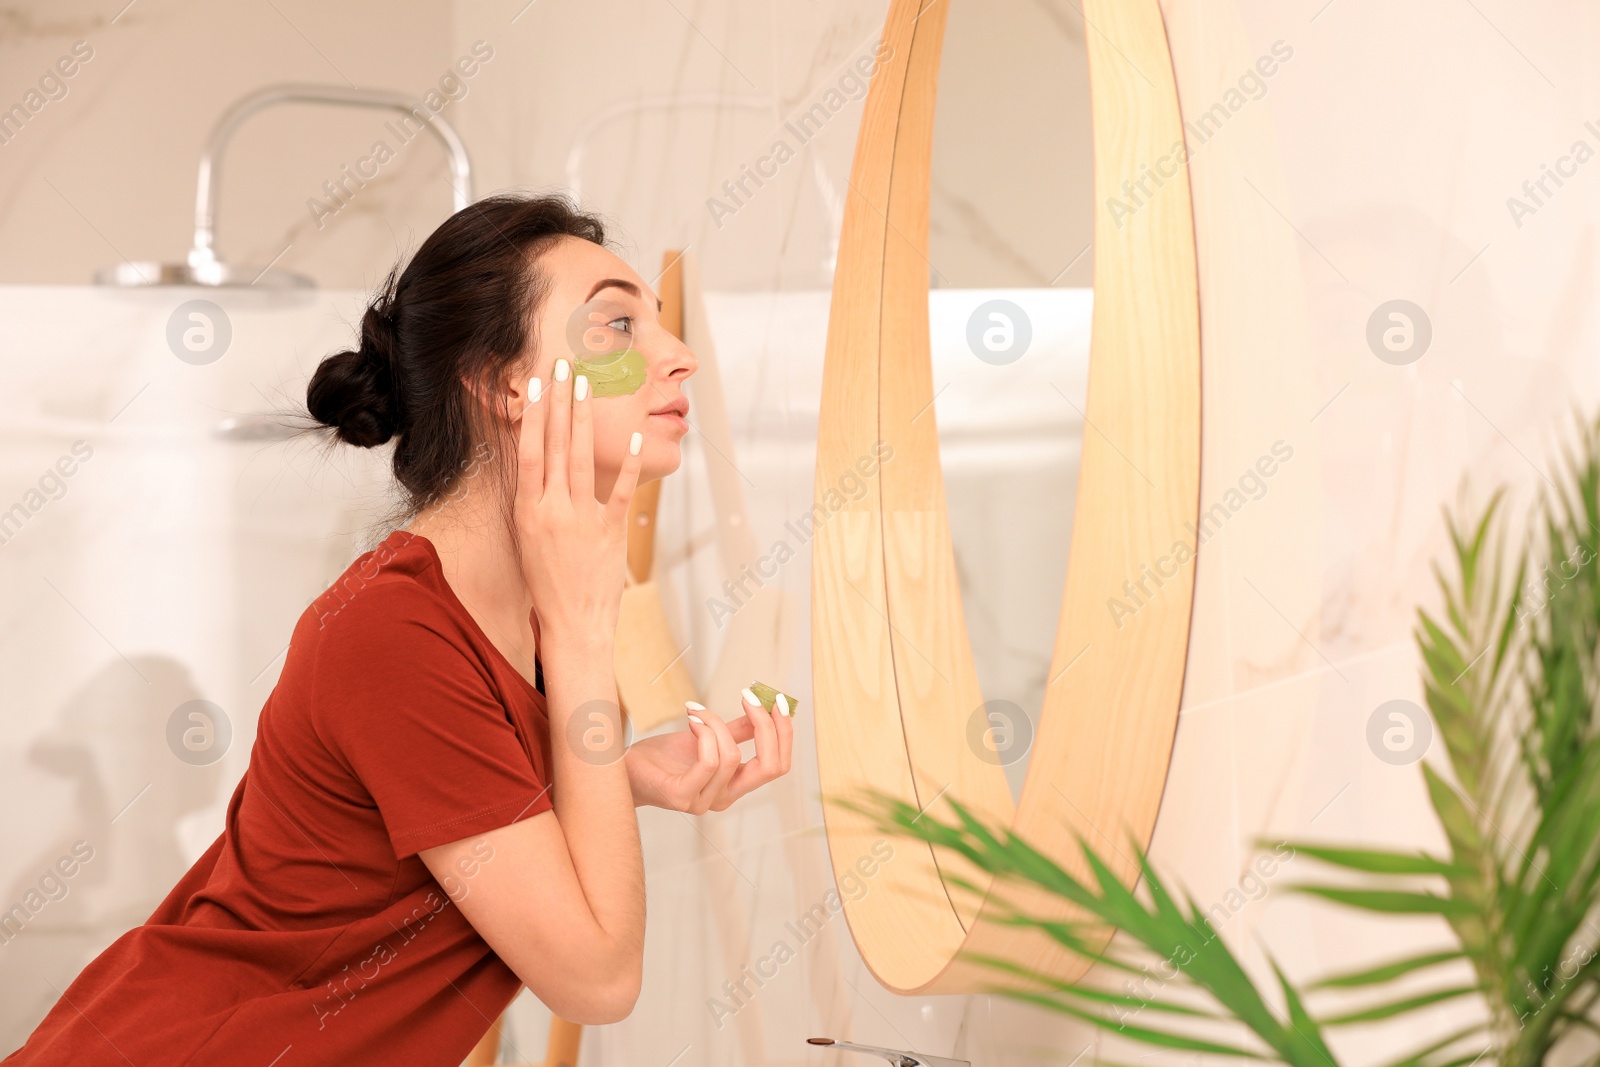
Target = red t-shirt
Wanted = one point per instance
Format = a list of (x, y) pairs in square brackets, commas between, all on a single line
[(310, 933)]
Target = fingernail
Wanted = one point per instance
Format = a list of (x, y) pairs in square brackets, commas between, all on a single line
[(580, 388), (781, 705), (750, 698), (692, 706), (635, 443), (563, 370), (535, 390), (697, 719)]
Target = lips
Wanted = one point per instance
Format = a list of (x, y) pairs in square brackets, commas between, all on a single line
[(679, 407)]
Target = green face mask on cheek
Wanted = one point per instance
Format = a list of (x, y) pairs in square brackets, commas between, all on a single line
[(613, 373)]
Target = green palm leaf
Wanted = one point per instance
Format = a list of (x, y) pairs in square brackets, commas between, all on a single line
[(1379, 861), (1157, 921), (1511, 678), (1387, 972)]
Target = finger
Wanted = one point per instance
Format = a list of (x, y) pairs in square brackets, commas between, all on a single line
[(530, 444), (558, 430), (766, 733), (582, 440), (750, 777), (742, 730), (766, 765), (696, 777), (712, 795), (784, 725), (627, 481)]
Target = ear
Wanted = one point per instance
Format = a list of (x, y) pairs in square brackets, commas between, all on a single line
[(505, 391)]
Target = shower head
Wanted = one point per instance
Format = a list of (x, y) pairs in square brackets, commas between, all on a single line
[(137, 273), (202, 266)]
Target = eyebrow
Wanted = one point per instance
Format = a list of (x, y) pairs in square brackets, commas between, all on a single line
[(619, 283)]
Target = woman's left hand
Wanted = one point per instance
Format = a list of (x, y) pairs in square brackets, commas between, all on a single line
[(699, 769)]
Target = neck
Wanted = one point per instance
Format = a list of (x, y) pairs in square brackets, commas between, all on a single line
[(480, 564)]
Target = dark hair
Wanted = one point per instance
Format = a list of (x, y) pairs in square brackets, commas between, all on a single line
[(461, 311)]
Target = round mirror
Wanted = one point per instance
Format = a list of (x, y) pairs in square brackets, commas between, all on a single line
[(894, 678)]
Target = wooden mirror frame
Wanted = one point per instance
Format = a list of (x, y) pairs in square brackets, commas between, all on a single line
[(893, 678)]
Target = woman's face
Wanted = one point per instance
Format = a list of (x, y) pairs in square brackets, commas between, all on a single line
[(596, 307)]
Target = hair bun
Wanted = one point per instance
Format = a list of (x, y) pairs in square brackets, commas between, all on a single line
[(354, 391)]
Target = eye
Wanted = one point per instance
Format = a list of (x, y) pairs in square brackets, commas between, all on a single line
[(601, 326)]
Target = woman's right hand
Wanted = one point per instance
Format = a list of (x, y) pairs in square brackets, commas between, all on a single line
[(574, 549)]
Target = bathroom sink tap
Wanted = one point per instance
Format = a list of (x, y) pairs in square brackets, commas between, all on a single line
[(894, 1056)]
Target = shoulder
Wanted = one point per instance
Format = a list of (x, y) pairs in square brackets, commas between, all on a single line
[(385, 655), (401, 574), (389, 617)]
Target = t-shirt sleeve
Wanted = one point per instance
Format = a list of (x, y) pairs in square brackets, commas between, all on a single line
[(407, 706)]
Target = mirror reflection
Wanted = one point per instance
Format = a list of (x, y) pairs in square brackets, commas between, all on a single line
[(1011, 264)]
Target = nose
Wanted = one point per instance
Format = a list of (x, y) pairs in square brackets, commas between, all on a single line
[(678, 362)]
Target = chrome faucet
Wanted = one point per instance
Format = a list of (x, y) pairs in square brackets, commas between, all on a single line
[(894, 1056), (205, 209), (202, 266)]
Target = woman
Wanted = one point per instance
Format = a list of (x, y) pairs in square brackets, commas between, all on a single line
[(437, 810)]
